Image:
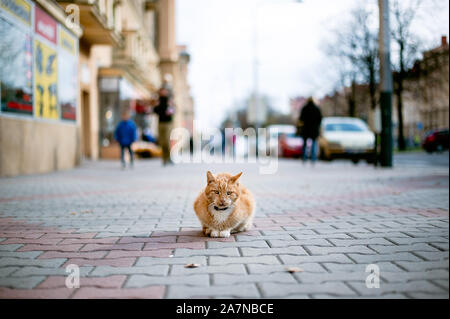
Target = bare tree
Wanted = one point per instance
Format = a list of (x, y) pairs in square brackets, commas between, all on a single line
[(356, 50), (408, 49)]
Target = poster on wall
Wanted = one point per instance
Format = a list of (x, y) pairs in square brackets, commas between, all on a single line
[(44, 25), (20, 9), (16, 73), (46, 81), (67, 75)]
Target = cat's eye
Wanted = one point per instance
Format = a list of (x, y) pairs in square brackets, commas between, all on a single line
[(217, 192), (229, 193)]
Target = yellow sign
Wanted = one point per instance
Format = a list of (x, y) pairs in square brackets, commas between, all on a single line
[(46, 79), (67, 41), (19, 8)]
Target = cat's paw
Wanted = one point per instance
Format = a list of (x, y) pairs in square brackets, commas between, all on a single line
[(246, 227), (206, 231), (224, 234), (214, 233), (242, 228)]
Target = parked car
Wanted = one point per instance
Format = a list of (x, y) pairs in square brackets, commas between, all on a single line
[(436, 141), (289, 145), (346, 137)]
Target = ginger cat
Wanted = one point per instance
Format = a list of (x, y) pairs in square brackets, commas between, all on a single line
[(224, 206)]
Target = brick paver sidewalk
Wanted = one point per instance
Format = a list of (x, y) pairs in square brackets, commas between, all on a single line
[(132, 233)]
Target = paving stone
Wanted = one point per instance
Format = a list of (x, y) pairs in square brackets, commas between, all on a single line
[(295, 250), (234, 291), (411, 241), (269, 269), (421, 295), (12, 261), (155, 270), (10, 293), (255, 244), (410, 286), (337, 258), (409, 276), (207, 252), (272, 290), (116, 262), (377, 242), (318, 250), (218, 260), (440, 246), (85, 255), (303, 242), (144, 280), (153, 292), (46, 271), (419, 247), (370, 259), (28, 282), (52, 282), (308, 277), (6, 271), (268, 237), (224, 279), (361, 268), (21, 254), (432, 255), (423, 265), (11, 247), (320, 236), (226, 269), (148, 261), (140, 253)]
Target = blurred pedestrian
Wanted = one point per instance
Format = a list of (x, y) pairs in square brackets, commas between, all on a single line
[(126, 134), (165, 112), (309, 127)]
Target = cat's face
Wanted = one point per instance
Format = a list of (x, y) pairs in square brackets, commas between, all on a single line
[(222, 190)]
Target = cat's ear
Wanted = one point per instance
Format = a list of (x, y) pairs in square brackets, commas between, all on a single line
[(210, 177), (234, 178)]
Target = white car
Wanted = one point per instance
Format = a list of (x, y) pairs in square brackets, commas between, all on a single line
[(346, 137)]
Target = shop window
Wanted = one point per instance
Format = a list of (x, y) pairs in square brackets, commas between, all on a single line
[(16, 74), (67, 76)]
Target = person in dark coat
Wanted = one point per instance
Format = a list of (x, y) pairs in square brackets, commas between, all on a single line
[(310, 120), (165, 112), (126, 134)]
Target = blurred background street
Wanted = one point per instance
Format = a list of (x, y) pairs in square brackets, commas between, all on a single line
[(336, 112)]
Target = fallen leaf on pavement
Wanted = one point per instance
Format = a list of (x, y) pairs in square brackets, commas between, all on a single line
[(294, 269)]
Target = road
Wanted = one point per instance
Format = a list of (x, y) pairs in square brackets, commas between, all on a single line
[(132, 232), (422, 159)]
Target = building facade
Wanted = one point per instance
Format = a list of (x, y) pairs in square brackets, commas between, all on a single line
[(81, 63), (427, 92), (39, 113)]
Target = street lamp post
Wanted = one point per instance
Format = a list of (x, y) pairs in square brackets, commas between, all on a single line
[(385, 85)]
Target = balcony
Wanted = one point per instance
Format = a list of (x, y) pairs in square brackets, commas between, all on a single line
[(98, 21), (139, 57)]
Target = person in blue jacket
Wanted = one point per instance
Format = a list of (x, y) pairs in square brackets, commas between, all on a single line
[(126, 134)]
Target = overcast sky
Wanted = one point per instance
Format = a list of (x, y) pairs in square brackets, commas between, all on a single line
[(220, 38)]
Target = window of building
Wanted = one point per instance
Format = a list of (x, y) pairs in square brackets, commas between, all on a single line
[(16, 73)]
